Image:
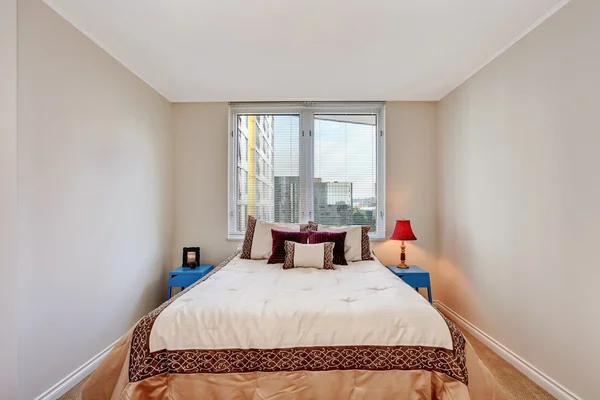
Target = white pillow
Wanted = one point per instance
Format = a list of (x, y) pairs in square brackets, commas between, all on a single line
[(258, 243), (353, 242), (309, 255), (262, 244), (317, 255)]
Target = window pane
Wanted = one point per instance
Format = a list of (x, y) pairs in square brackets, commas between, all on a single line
[(345, 169), (268, 168)]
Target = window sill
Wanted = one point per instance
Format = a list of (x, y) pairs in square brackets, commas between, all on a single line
[(241, 238)]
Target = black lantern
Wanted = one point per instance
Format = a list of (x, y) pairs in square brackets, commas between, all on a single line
[(191, 257)]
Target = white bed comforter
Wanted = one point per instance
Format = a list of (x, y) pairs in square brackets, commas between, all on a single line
[(252, 304)]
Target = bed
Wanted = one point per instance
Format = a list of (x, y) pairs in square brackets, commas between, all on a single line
[(252, 330)]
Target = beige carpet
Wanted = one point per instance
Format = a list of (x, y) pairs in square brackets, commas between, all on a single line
[(516, 385)]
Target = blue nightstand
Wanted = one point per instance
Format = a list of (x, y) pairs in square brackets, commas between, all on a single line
[(414, 276), (184, 277)]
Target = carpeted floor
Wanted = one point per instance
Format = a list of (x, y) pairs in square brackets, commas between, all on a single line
[(516, 385)]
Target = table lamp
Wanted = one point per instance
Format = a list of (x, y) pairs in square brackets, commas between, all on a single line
[(403, 231)]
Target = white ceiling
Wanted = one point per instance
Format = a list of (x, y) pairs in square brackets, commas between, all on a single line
[(250, 50)]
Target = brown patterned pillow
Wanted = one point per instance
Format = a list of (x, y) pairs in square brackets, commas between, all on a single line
[(366, 243), (308, 255), (247, 246), (304, 227)]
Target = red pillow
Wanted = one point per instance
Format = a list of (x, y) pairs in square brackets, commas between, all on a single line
[(339, 238), (279, 238)]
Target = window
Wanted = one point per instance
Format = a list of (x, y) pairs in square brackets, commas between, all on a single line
[(307, 161)]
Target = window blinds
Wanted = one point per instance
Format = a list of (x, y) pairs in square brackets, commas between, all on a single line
[(298, 161), (267, 170), (345, 169)]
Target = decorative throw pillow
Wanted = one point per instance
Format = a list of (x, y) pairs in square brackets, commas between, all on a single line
[(357, 244), (304, 227), (279, 239), (258, 241), (308, 255), (338, 238)]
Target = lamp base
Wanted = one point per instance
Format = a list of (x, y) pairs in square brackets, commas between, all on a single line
[(402, 264)]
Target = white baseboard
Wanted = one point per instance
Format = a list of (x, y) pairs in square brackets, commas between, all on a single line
[(71, 380), (543, 380)]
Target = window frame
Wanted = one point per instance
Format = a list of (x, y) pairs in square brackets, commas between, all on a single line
[(306, 112)]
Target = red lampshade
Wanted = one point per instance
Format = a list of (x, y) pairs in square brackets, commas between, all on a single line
[(403, 231)]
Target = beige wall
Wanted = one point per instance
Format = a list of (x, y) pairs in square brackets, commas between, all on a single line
[(200, 148), (519, 197), (8, 199), (411, 190), (95, 187), (201, 136)]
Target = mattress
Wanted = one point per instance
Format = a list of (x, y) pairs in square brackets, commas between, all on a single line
[(252, 304)]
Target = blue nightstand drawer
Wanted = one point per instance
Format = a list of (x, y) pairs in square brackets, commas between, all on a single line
[(416, 281), (183, 280), (185, 277), (414, 277)]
